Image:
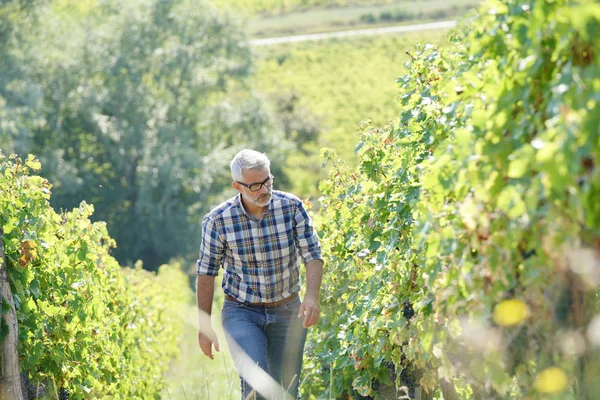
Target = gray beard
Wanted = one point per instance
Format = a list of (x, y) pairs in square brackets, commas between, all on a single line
[(256, 202)]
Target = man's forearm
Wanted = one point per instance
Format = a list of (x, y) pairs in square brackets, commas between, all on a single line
[(314, 275), (205, 290), (207, 338)]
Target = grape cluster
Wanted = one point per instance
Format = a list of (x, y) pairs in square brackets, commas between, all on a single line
[(528, 253), (63, 394), (407, 310)]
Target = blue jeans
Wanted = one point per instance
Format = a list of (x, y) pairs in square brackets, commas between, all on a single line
[(273, 339)]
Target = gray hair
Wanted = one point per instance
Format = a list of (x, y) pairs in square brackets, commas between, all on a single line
[(248, 159)]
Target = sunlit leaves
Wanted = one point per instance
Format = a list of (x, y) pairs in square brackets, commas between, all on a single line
[(33, 163)]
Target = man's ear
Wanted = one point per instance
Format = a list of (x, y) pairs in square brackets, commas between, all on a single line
[(236, 186)]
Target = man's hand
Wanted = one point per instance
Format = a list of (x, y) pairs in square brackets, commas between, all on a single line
[(311, 311), (206, 339)]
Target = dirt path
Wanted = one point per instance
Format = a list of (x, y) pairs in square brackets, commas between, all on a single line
[(358, 32)]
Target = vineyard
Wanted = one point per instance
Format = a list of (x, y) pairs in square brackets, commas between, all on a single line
[(86, 327), (336, 85), (464, 249), (461, 233)]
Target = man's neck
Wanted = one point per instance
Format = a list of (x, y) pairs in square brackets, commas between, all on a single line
[(253, 209)]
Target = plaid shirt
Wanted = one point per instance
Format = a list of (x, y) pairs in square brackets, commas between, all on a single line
[(261, 259)]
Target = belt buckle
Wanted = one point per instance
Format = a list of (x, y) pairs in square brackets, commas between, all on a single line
[(283, 301), (274, 304)]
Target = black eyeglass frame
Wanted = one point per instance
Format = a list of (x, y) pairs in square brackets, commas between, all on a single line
[(260, 184)]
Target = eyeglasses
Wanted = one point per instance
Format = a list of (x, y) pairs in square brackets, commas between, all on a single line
[(255, 187)]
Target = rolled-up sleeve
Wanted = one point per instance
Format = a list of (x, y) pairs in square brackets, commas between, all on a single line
[(211, 249), (305, 235)]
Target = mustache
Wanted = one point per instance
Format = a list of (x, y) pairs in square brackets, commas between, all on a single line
[(263, 198)]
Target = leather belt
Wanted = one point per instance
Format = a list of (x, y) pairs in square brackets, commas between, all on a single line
[(267, 305)]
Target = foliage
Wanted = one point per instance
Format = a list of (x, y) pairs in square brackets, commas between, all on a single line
[(18, 97), (135, 107), (478, 210), (85, 325)]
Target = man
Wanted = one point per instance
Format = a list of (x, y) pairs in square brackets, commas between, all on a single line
[(259, 238)]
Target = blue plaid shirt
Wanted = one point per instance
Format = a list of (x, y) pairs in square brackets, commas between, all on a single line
[(260, 259)]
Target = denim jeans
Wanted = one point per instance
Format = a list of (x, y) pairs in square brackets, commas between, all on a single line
[(273, 339)]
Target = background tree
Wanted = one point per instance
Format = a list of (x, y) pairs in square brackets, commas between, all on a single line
[(20, 98), (137, 107)]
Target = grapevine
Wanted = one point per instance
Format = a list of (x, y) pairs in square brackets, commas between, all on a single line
[(87, 327), (479, 206)]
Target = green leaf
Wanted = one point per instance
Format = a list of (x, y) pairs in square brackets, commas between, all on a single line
[(19, 289), (5, 306), (33, 163), (427, 341), (518, 167), (362, 384), (48, 309), (358, 147), (511, 202), (34, 287), (546, 153)]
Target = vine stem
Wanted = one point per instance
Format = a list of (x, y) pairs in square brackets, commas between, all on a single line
[(10, 374)]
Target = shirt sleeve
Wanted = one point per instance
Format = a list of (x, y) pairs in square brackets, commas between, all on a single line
[(305, 235), (211, 249)]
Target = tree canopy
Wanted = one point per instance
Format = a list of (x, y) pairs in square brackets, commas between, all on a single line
[(133, 106)]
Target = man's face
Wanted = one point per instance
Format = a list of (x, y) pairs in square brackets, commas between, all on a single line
[(262, 197)]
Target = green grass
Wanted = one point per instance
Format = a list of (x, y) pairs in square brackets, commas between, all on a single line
[(319, 20), (343, 82), (194, 376)]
